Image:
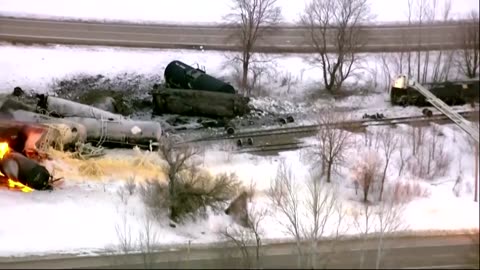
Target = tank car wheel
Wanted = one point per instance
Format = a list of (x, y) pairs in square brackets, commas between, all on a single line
[(239, 143), (250, 141), (230, 130)]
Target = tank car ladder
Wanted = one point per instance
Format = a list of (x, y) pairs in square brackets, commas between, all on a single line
[(446, 110)]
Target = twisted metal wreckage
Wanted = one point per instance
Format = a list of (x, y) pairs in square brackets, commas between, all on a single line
[(28, 130), (26, 133)]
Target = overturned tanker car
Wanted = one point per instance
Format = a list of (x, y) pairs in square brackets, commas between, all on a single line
[(18, 164), (71, 122), (451, 92), (191, 91)]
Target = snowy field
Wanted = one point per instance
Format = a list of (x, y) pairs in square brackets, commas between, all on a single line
[(36, 68), (83, 215), (196, 13)]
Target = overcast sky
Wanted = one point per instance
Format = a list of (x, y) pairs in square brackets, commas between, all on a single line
[(188, 10)]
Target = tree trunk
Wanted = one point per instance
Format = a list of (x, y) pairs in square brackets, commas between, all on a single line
[(329, 171), (199, 103), (365, 193), (172, 194), (245, 78), (383, 180), (379, 251)]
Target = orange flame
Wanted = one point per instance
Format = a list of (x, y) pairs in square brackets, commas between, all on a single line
[(11, 183)]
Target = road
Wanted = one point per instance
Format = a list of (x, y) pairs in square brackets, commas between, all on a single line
[(428, 252), (283, 39)]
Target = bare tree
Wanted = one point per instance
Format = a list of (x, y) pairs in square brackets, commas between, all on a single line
[(366, 172), (382, 219), (333, 143), (334, 33), (443, 62), (308, 218), (409, 53), (245, 237), (389, 219), (473, 144), (147, 239), (253, 18), (321, 205), (123, 229), (362, 222), (469, 61), (284, 194), (419, 64), (430, 159), (417, 137), (403, 156), (177, 158), (389, 143), (386, 70)]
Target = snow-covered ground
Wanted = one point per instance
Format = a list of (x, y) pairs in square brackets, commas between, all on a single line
[(288, 83), (85, 213), (89, 215), (187, 11)]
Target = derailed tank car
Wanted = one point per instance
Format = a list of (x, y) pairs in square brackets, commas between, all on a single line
[(450, 92), (179, 75), (190, 91)]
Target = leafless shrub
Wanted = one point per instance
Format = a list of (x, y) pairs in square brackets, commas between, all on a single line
[(333, 142), (389, 219), (388, 144), (306, 216), (288, 80), (473, 148), (124, 235), (386, 70), (367, 172), (431, 159), (403, 156), (177, 158), (195, 192), (244, 238), (147, 240), (382, 218), (362, 223), (403, 192), (417, 137), (122, 229), (253, 19)]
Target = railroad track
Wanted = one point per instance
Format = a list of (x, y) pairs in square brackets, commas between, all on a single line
[(298, 144), (315, 127)]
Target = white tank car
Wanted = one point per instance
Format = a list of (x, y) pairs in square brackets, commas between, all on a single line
[(67, 108), (120, 131), (77, 132)]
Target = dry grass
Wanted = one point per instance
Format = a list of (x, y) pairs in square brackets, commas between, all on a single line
[(119, 167), (91, 168), (407, 191)]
